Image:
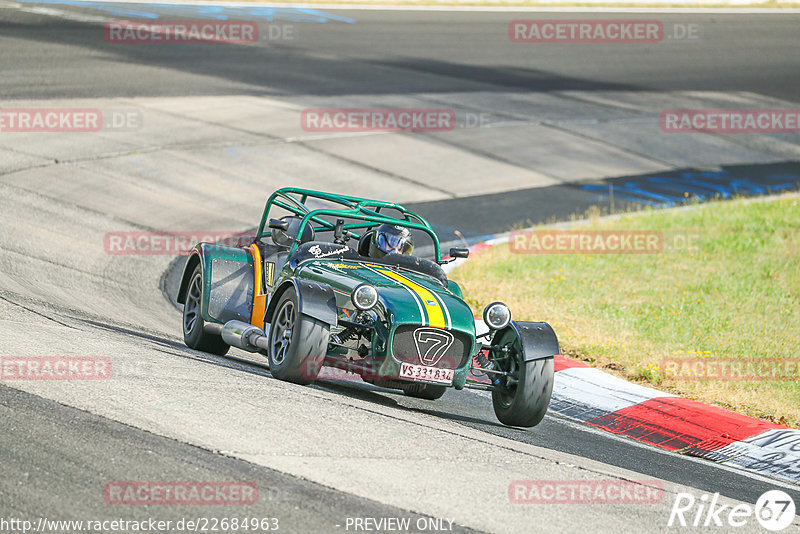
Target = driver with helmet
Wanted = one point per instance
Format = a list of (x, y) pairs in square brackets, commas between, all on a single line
[(390, 238)]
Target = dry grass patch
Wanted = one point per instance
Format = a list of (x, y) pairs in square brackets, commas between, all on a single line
[(733, 296)]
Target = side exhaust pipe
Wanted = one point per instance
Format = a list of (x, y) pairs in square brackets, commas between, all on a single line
[(240, 335), (212, 328)]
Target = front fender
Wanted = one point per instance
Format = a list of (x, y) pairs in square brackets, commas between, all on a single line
[(188, 269), (455, 289), (538, 340), (314, 300)]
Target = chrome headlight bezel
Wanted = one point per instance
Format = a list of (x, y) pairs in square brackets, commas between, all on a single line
[(364, 290), (493, 307)]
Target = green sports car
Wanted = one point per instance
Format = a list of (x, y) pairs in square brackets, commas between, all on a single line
[(360, 302)]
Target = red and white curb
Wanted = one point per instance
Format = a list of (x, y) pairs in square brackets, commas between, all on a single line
[(666, 421), (674, 423)]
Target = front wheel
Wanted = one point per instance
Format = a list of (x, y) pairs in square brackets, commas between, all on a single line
[(193, 334), (297, 342), (525, 400)]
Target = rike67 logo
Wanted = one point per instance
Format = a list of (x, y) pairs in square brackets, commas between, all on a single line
[(774, 510)]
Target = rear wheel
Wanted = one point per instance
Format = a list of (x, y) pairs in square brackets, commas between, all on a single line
[(193, 334), (424, 391), (297, 343)]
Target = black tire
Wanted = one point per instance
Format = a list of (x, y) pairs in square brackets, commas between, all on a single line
[(424, 391), (298, 356), (526, 403), (193, 334)]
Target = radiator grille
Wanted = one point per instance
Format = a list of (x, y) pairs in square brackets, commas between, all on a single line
[(433, 347)]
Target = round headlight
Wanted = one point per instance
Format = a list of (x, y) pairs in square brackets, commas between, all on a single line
[(496, 315), (364, 296)]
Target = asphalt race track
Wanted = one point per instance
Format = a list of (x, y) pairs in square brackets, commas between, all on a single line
[(195, 136)]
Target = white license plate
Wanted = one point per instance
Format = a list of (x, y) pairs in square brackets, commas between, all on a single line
[(411, 371)]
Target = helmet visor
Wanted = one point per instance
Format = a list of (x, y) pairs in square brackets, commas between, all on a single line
[(398, 244)]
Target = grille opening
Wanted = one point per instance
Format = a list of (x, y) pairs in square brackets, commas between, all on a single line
[(430, 346)]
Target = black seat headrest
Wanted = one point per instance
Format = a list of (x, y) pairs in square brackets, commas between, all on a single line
[(284, 239), (364, 242)]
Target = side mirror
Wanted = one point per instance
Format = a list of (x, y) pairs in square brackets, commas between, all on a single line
[(277, 224), (459, 253), (339, 233)]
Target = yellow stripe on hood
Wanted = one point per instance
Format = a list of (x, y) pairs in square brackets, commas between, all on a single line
[(429, 300)]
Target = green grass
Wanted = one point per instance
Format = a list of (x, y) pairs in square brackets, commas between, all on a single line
[(736, 295)]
